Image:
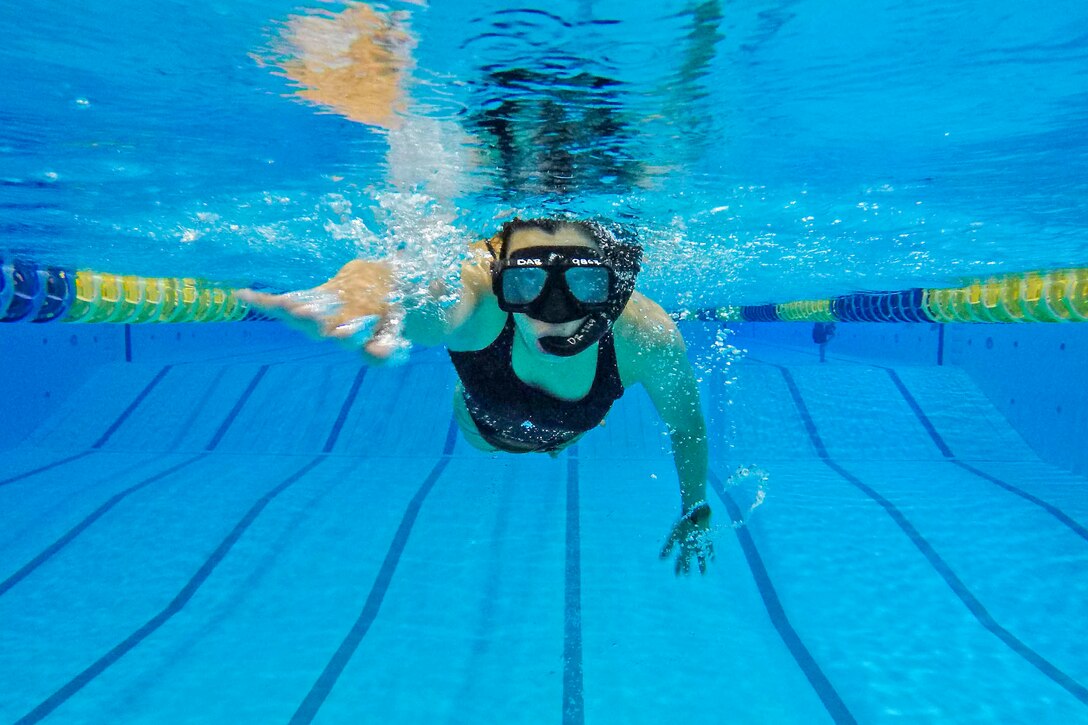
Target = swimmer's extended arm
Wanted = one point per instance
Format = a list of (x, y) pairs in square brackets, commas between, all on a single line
[(367, 306), (658, 360)]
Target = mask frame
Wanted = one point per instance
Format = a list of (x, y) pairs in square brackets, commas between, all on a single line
[(555, 301), (624, 261)]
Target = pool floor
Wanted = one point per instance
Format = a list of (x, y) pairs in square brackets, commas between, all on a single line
[(289, 537)]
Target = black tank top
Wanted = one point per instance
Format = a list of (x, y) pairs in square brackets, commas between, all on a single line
[(517, 417)]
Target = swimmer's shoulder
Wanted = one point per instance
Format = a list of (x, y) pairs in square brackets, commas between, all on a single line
[(645, 335), (477, 320)]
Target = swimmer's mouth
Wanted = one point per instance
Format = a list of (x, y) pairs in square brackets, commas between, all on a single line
[(554, 329), (535, 331)]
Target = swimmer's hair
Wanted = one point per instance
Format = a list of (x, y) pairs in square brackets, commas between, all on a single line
[(605, 239)]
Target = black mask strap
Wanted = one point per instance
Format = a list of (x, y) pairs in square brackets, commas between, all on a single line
[(589, 332)]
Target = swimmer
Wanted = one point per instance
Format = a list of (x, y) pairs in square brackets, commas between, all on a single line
[(545, 335), (822, 332)]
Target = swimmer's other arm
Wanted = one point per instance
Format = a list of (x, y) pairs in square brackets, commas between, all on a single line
[(648, 337), (366, 306)]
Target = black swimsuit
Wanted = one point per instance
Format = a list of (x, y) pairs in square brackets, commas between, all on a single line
[(517, 417)]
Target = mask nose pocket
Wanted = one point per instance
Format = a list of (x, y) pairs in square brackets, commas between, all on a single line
[(555, 305)]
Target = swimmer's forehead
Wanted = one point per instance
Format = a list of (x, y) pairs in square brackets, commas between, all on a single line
[(563, 237)]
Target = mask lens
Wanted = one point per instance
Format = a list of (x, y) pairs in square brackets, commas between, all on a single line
[(588, 284), (520, 286)]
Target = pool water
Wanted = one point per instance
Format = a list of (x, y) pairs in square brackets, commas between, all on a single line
[(225, 522), (281, 535), (765, 151)]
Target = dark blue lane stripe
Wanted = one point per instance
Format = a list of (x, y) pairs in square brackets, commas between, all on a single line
[(833, 703), (46, 467), (573, 702), (344, 410), (920, 414), (972, 603), (806, 417), (132, 406), (77, 683), (76, 530), (236, 409), (451, 438), (940, 566), (320, 690), (1050, 508)]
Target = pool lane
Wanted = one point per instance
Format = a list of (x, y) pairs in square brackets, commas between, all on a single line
[(26, 462), (400, 411), (110, 397), (77, 527), (661, 648), (573, 697), (474, 611), (1023, 575), (126, 414), (479, 604), (123, 571), (832, 701), (256, 635), (472, 625), (175, 606), (40, 507), (861, 416), (338, 662), (751, 417), (89, 418), (971, 427), (819, 432), (926, 419), (1057, 487), (884, 626), (294, 409)]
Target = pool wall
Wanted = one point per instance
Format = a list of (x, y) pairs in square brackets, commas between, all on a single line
[(43, 364), (1033, 374)]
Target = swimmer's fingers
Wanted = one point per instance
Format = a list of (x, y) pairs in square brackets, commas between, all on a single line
[(670, 543), (355, 332), (313, 305), (253, 298), (268, 303), (700, 547), (683, 562), (378, 337), (704, 552), (692, 541), (664, 553), (387, 346), (360, 289)]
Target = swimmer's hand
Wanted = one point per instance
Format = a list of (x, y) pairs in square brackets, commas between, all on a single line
[(692, 534), (355, 307)]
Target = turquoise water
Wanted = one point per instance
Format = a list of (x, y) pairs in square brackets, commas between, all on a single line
[(233, 524), (767, 151), (267, 532)]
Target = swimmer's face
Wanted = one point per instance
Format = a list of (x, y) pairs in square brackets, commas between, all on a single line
[(529, 328)]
